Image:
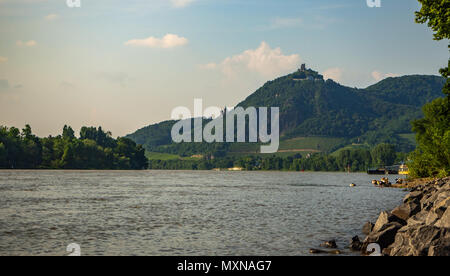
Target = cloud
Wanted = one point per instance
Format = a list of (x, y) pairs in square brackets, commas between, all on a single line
[(334, 74), (378, 76), (168, 41), (30, 43), (264, 61), (3, 59), (181, 3), (51, 17), (4, 84)]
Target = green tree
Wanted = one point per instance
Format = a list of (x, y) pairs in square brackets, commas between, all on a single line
[(3, 163), (31, 146), (432, 156), (68, 133), (384, 155)]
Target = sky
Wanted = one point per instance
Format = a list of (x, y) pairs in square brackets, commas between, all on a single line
[(124, 65)]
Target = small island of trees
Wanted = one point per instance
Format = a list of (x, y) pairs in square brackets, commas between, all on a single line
[(94, 149)]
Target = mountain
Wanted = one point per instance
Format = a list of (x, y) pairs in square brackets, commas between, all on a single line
[(311, 108)]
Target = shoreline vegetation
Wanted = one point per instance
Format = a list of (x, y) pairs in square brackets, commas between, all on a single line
[(345, 160), (94, 149)]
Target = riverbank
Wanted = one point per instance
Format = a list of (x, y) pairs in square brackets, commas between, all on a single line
[(412, 183), (418, 227)]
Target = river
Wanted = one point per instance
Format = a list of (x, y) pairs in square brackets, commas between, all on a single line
[(184, 212)]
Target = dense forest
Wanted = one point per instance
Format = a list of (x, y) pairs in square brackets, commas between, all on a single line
[(94, 149)]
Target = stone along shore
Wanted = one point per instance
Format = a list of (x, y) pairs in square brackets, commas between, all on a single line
[(418, 227)]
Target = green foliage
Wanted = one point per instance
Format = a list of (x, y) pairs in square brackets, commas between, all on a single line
[(384, 155), (437, 14), (357, 160), (68, 133), (433, 138), (3, 160), (432, 156), (94, 150), (324, 144)]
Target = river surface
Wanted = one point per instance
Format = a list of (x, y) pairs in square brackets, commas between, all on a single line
[(184, 212)]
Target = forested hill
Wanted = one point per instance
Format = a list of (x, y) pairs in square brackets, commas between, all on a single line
[(326, 108), (310, 106)]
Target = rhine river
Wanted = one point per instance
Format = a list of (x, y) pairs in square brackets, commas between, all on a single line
[(184, 212)]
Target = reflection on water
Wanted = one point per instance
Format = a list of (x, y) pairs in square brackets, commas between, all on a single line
[(183, 213)]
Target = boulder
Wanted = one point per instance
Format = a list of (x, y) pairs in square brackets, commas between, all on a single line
[(415, 240), (444, 221), (367, 228), (329, 244), (412, 196), (441, 247), (356, 244), (319, 251), (441, 204), (419, 218), (386, 218), (428, 201), (432, 218), (383, 219), (418, 227), (407, 210), (385, 236)]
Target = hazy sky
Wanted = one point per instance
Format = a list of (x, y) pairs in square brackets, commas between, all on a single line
[(126, 64)]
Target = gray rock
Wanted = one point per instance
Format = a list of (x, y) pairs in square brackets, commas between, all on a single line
[(383, 219), (440, 250), (385, 236), (432, 218), (415, 240), (329, 244), (418, 227), (407, 210), (412, 196), (356, 244), (367, 228), (444, 221), (319, 251), (441, 247), (386, 218), (419, 218), (428, 201)]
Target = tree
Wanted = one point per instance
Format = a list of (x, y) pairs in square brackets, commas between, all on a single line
[(68, 133), (384, 155), (95, 150), (3, 163), (432, 156), (437, 14)]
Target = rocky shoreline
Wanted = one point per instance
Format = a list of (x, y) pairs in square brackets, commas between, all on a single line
[(418, 227)]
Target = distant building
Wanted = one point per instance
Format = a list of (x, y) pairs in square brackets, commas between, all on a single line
[(303, 67)]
